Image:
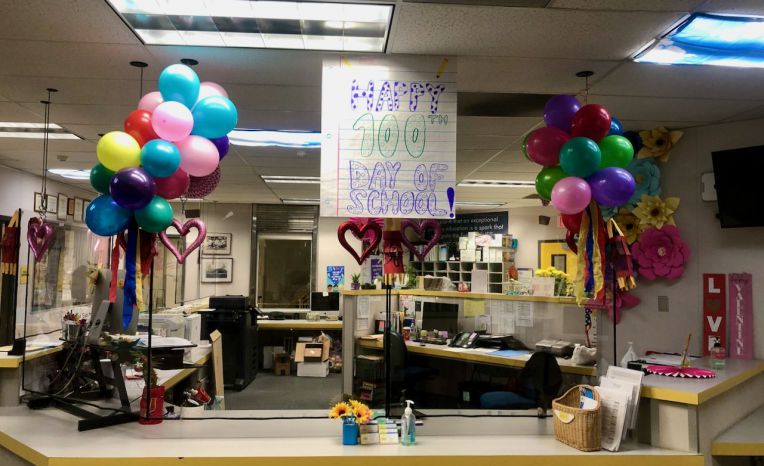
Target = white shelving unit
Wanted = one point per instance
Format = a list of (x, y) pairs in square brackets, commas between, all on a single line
[(458, 271)]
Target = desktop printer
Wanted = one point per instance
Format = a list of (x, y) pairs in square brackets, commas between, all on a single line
[(558, 348), (500, 342)]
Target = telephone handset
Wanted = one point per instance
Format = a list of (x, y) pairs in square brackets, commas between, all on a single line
[(465, 340)]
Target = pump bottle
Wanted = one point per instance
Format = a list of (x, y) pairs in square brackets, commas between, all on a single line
[(408, 425)]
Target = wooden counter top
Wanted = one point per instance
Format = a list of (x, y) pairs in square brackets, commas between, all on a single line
[(461, 295)]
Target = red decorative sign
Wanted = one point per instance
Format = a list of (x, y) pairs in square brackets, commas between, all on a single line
[(714, 311), (741, 316)]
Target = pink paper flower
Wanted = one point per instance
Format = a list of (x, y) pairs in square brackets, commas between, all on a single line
[(661, 253)]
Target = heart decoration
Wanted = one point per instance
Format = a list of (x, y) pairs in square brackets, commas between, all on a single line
[(39, 237), (360, 232), (183, 230), (420, 229)]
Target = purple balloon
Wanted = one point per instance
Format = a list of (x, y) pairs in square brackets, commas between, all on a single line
[(132, 188), (222, 144), (612, 186), (559, 111)]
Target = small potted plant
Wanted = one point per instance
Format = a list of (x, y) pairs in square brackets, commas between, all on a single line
[(352, 413), (355, 283)]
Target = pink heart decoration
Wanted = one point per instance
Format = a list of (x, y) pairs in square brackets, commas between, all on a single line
[(360, 232), (420, 229), (39, 237), (183, 230)]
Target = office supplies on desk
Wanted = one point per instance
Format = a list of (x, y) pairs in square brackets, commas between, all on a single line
[(510, 353), (559, 348), (465, 340)]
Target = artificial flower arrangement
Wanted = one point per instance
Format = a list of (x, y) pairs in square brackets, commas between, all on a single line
[(563, 285), (351, 411)]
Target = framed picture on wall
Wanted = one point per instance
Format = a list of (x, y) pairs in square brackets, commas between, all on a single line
[(62, 202), (70, 206), (217, 244), (52, 207), (217, 270), (79, 210), (38, 202)]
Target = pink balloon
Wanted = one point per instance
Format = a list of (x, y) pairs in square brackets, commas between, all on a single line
[(172, 186), (544, 144), (208, 88), (172, 121), (150, 101), (198, 156), (571, 195)]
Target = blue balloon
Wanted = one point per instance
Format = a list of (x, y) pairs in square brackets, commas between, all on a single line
[(160, 158), (615, 127), (635, 139), (179, 83), (105, 218), (214, 117)]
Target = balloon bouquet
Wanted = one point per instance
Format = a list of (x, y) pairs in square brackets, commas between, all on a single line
[(585, 155), (171, 146)]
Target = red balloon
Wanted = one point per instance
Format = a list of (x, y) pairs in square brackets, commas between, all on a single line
[(138, 125), (572, 221), (570, 239), (201, 187), (544, 144), (591, 121), (173, 186)]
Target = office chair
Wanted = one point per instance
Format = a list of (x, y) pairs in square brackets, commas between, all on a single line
[(404, 377), (537, 385)]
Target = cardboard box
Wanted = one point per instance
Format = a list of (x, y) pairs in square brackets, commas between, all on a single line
[(313, 369), (282, 364), (312, 352)]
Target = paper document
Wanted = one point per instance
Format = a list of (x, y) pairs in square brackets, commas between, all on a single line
[(524, 314), (502, 317), (615, 404), (634, 378), (363, 307), (164, 342), (474, 307)]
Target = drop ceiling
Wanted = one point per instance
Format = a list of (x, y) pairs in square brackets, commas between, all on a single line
[(508, 59)]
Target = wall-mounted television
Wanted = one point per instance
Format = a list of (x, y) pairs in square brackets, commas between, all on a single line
[(739, 182)]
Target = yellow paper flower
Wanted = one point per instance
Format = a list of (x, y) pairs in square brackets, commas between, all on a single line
[(658, 143), (339, 410), (629, 224), (652, 211)]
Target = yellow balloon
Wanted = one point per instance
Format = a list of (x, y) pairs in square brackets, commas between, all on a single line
[(117, 150)]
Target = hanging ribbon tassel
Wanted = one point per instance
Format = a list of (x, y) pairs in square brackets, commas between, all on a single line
[(590, 274), (130, 269), (114, 269), (139, 277)]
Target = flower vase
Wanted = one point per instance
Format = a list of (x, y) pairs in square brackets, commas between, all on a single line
[(349, 433), (355, 286)]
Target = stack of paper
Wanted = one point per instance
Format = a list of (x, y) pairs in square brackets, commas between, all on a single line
[(619, 395)]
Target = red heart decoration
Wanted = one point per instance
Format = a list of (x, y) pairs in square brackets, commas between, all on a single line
[(360, 232), (183, 230), (39, 237), (420, 229)]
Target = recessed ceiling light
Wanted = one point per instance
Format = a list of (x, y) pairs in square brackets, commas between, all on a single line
[(468, 204), (13, 129), (291, 179), (350, 27), (70, 173), (260, 138), (300, 201), (496, 184), (710, 39)]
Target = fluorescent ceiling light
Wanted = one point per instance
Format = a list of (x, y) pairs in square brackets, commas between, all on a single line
[(70, 173), (291, 179), (300, 201), (347, 27), (496, 184), (480, 204), (14, 129), (710, 39), (259, 137)]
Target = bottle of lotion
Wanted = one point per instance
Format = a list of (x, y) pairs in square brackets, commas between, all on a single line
[(408, 425)]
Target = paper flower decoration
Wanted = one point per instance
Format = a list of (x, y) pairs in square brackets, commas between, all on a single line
[(657, 143), (647, 176), (652, 211), (661, 253), (629, 224)]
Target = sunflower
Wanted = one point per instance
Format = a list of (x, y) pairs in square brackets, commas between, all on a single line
[(629, 224), (652, 211), (339, 410), (658, 143), (362, 413)]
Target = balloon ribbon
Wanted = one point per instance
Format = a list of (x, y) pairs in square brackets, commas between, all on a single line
[(130, 269)]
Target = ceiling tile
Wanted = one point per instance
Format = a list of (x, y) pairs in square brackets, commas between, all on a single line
[(626, 5)]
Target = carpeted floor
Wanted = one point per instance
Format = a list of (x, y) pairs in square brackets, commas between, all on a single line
[(269, 391)]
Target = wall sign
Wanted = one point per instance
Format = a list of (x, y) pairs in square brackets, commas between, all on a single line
[(714, 311), (388, 130), (741, 316), (488, 223), (335, 277)]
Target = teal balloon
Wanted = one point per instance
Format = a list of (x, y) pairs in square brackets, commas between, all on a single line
[(156, 216), (160, 158), (105, 218), (100, 177), (580, 157), (179, 83), (214, 117)]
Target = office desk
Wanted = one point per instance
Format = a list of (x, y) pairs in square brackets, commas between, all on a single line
[(746, 438), (476, 356), (299, 324), (10, 372)]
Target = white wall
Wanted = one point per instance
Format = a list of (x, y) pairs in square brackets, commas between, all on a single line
[(331, 252), (524, 225)]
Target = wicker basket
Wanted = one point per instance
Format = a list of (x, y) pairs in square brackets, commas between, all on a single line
[(579, 428)]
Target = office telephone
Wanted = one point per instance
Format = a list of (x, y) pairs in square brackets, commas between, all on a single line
[(465, 340)]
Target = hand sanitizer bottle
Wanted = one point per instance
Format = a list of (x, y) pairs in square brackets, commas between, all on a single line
[(408, 425)]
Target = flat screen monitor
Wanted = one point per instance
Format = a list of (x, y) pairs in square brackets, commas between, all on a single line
[(737, 178), (324, 302), (440, 316), (113, 323)]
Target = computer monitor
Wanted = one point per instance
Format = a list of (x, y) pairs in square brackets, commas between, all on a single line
[(113, 321), (440, 316), (320, 301)]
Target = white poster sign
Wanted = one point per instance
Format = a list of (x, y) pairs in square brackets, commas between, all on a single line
[(388, 130)]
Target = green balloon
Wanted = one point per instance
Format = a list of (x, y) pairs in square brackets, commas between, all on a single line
[(100, 177), (616, 150), (156, 216), (525, 147), (546, 179), (580, 157)]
